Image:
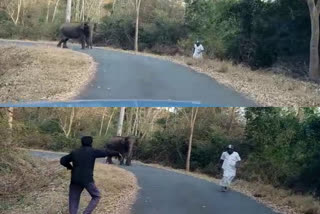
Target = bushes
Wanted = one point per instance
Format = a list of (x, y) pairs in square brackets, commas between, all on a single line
[(38, 31), (276, 148), (161, 35), (32, 23), (253, 32), (117, 31)]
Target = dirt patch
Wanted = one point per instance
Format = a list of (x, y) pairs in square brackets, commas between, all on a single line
[(42, 73), (281, 201), (266, 87), (49, 192)]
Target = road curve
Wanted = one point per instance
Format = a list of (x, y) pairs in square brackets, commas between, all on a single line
[(127, 76), (167, 192)]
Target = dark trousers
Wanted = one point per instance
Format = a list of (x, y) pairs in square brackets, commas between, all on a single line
[(74, 197)]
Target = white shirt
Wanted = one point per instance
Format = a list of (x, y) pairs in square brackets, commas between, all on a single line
[(229, 163), (198, 51)]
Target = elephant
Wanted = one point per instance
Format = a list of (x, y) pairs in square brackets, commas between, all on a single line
[(123, 145), (80, 31)]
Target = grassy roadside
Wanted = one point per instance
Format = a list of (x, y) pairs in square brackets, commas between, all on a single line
[(33, 186), (42, 72), (267, 87), (281, 201)]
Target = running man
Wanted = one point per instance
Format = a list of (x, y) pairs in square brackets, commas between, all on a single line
[(229, 161), (198, 49)]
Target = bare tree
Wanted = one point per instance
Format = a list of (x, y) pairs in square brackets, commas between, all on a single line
[(55, 10), (130, 122), (232, 114), (66, 123), (48, 11), (192, 120), (13, 9), (109, 122), (120, 122), (136, 122), (68, 11), (300, 113), (136, 38), (114, 5), (314, 10), (10, 123), (102, 120)]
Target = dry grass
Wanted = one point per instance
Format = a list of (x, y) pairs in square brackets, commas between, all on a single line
[(265, 87), (22, 180), (281, 201), (49, 192), (42, 73), (118, 189)]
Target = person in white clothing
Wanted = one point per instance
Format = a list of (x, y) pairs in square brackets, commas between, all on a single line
[(198, 49), (229, 160)]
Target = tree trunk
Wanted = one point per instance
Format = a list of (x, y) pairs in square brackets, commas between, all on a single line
[(68, 11), (76, 10), (120, 122), (136, 38), (300, 114), (55, 10), (110, 119), (18, 12), (82, 11), (233, 109), (314, 41), (48, 11), (130, 122), (70, 123), (136, 124), (102, 120), (10, 123), (113, 6), (193, 118)]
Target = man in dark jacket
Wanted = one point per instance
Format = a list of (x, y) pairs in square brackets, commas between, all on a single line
[(83, 160)]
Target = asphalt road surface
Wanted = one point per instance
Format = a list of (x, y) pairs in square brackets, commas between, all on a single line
[(166, 192), (124, 76)]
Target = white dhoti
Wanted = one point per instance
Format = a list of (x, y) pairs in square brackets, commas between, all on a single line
[(198, 51), (229, 168), (226, 181), (197, 56)]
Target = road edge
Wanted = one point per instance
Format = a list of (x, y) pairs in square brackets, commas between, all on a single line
[(214, 180)]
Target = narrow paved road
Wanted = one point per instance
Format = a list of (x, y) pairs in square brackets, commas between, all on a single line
[(166, 192), (124, 76)]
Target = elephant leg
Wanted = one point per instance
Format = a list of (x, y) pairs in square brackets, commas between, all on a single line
[(83, 42), (87, 43), (59, 44), (109, 159), (128, 161), (65, 43), (121, 160)]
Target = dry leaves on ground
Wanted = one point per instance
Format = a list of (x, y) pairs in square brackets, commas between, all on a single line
[(118, 189), (42, 73)]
